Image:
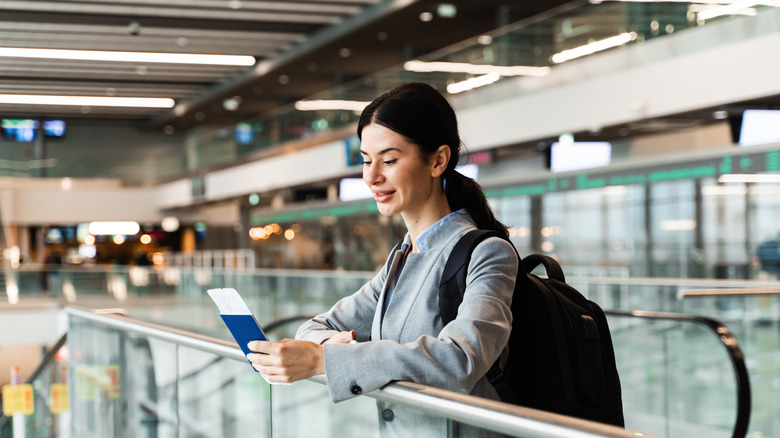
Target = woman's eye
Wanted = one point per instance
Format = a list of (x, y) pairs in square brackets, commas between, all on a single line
[(389, 162), (366, 163)]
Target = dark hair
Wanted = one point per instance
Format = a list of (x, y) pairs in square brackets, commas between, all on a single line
[(425, 117)]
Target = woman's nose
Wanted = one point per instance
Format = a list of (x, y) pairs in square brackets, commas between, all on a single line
[(371, 174)]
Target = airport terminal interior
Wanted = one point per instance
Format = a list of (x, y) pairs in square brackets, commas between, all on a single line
[(152, 150)]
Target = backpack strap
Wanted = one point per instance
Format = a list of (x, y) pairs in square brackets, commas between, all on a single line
[(554, 270), (453, 279), (453, 286)]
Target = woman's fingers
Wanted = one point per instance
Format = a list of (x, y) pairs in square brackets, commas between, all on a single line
[(342, 338), (287, 360)]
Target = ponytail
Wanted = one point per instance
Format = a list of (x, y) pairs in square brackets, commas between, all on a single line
[(464, 192)]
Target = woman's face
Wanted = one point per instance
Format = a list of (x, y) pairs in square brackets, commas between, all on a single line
[(401, 179)]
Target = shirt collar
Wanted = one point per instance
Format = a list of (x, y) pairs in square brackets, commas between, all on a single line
[(421, 240)]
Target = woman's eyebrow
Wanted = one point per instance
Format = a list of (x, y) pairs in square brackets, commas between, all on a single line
[(382, 152)]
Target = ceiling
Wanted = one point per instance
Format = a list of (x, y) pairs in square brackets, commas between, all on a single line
[(301, 47)]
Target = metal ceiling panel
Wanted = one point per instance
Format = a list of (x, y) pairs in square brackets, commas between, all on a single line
[(261, 29)]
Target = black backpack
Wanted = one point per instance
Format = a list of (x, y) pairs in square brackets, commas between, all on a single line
[(560, 351)]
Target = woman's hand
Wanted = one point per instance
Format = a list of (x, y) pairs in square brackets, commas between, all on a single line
[(288, 360), (342, 338)]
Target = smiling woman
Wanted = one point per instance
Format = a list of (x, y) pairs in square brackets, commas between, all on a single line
[(410, 145)]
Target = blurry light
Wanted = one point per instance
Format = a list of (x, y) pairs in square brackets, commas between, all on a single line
[(446, 10), (87, 250), (475, 69), (168, 130), (119, 239), (254, 199), (547, 246), (277, 229), (12, 290), (170, 224), (66, 184), (268, 229), (13, 254), (118, 287), (720, 115), (426, 16), (68, 291), (171, 276), (127, 102), (232, 103), (615, 190), (146, 239), (138, 275), (200, 227), (128, 228), (677, 225), (318, 105), (748, 178), (284, 79), (158, 258), (89, 239), (587, 49), (344, 52), (470, 84), (485, 39), (289, 234), (729, 9), (669, 28), (116, 56)]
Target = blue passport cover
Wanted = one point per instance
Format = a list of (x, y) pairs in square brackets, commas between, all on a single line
[(244, 329)]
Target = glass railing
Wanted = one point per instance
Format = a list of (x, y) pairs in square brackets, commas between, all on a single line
[(681, 376), (50, 400), (750, 308), (138, 379)]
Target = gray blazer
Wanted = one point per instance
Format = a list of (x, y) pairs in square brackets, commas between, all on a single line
[(410, 343)]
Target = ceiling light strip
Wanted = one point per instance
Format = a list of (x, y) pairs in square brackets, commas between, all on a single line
[(124, 102), (317, 105), (475, 69), (470, 84), (749, 178), (727, 9), (111, 56), (588, 49)]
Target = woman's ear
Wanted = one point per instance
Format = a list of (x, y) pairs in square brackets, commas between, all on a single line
[(440, 160)]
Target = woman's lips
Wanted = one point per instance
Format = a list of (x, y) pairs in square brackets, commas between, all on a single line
[(383, 196)]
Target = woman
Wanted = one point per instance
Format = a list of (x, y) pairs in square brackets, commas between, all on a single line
[(410, 147)]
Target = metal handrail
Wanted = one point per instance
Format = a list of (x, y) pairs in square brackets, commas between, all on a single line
[(488, 414), (731, 345), (703, 293)]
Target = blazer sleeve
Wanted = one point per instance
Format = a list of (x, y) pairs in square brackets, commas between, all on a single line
[(458, 357), (355, 312)]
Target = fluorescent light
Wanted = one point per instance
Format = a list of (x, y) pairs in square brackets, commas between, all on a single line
[(587, 49), (317, 105), (678, 225), (126, 102), (153, 57), (727, 9), (749, 178), (474, 69), (741, 191), (470, 84), (116, 228)]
